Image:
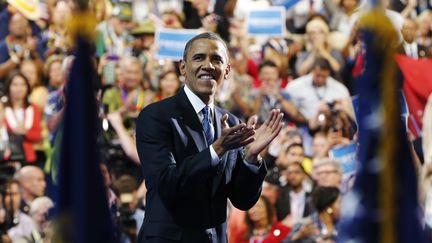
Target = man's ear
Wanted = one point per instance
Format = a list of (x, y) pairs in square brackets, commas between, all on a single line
[(182, 68), (227, 70)]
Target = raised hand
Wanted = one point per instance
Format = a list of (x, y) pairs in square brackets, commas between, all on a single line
[(264, 134), (233, 137)]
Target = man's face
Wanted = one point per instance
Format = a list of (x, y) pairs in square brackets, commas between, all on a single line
[(328, 175), (409, 31), (294, 175), (37, 183), (205, 67), (320, 76), (132, 76), (269, 76), (18, 26), (119, 26)]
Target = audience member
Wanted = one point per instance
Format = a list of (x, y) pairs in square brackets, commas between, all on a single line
[(24, 224), (32, 183), (320, 226), (294, 201), (261, 225), (23, 120), (328, 172), (309, 90)]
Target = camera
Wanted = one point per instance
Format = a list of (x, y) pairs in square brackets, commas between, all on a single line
[(333, 110)]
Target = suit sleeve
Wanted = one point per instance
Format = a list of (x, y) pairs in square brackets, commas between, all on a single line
[(246, 183), (173, 180)]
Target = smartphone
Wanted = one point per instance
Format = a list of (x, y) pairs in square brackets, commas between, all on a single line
[(109, 71)]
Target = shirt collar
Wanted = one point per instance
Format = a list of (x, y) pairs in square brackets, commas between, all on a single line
[(196, 102), (297, 194)]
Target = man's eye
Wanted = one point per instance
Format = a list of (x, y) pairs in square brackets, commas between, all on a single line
[(218, 61)]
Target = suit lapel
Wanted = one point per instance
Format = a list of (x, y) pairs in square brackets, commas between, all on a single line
[(218, 116), (192, 125), (187, 115), (224, 167)]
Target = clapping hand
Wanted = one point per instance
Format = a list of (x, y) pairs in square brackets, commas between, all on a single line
[(233, 137), (264, 134), (255, 140)]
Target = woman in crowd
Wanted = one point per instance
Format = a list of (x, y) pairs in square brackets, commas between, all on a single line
[(341, 15), (261, 226), (424, 21), (23, 120), (54, 72), (317, 45), (169, 84), (55, 37), (320, 226), (39, 93)]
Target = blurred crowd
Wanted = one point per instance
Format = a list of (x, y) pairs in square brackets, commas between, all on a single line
[(308, 74)]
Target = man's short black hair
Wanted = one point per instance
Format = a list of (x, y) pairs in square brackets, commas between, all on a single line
[(322, 63), (206, 35), (267, 63)]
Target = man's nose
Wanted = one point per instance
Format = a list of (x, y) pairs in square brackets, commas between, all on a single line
[(208, 64)]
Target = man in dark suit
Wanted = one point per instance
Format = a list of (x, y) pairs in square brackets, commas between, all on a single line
[(409, 46), (188, 176), (294, 202)]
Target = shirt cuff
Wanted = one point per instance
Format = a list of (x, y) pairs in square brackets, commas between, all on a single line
[(214, 157), (253, 166)]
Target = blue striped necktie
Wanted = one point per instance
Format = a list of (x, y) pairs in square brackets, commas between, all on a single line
[(206, 125)]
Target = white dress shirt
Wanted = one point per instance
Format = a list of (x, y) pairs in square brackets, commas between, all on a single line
[(297, 201), (198, 105), (411, 50)]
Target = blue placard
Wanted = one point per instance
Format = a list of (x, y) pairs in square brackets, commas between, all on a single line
[(347, 156), (286, 3), (171, 42), (268, 22)]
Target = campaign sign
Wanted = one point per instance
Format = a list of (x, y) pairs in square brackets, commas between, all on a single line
[(171, 42), (286, 3), (347, 156), (269, 22)]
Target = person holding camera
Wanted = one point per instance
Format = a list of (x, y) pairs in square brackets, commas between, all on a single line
[(17, 224), (131, 216), (309, 90), (271, 96), (336, 121)]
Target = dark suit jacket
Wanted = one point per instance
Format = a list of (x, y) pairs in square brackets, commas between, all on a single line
[(283, 204), (422, 51), (187, 196)]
